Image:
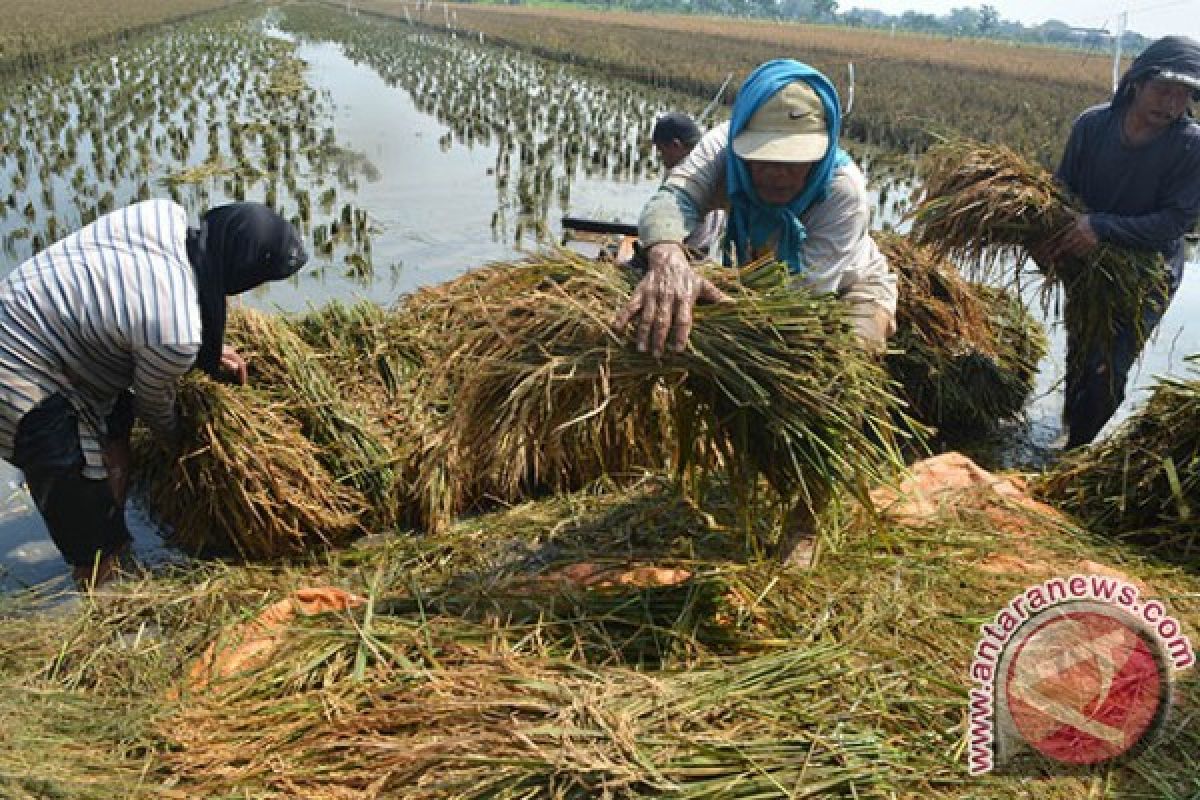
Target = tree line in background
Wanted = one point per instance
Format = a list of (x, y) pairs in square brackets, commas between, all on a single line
[(984, 21)]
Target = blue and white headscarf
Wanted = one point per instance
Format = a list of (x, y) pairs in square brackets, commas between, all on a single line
[(752, 222)]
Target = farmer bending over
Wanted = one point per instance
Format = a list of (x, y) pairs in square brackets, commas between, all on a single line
[(1135, 163), (95, 330), (675, 135), (789, 190)]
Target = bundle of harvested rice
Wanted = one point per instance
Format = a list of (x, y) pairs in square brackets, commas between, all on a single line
[(383, 362), (492, 345), (990, 208), (244, 480), (365, 429), (541, 392), (350, 338), (1145, 478), (474, 725), (347, 438), (965, 354), (404, 350)]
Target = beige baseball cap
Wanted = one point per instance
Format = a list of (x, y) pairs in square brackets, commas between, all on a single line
[(790, 126)]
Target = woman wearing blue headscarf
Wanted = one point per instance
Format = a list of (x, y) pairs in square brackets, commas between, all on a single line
[(789, 191)]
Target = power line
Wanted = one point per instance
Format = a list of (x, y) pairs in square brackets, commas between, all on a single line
[(1134, 10)]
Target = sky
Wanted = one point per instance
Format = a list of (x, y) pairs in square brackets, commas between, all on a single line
[(1151, 18)]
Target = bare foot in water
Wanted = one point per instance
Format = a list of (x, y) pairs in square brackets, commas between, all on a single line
[(797, 547)]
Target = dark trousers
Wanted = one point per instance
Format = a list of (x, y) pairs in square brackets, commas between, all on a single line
[(1096, 379), (83, 518)]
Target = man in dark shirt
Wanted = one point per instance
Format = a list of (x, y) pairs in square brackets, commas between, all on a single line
[(675, 135), (1135, 164)]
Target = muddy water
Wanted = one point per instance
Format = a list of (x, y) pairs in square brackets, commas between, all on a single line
[(431, 211), (434, 204)]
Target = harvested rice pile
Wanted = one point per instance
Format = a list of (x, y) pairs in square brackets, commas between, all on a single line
[(486, 339), (965, 354), (316, 425), (383, 365), (483, 727), (1145, 479), (504, 659), (509, 383), (989, 208), (364, 349), (542, 394), (354, 446), (245, 481), (299, 459)]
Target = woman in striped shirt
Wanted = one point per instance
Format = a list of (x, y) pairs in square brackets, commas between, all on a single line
[(95, 330)]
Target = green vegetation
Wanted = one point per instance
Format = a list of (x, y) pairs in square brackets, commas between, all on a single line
[(909, 88), (38, 33), (208, 111)]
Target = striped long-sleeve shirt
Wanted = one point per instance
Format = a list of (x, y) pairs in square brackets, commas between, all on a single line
[(109, 308)]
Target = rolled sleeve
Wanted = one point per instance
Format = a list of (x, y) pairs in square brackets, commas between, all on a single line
[(668, 216), (695, 187)]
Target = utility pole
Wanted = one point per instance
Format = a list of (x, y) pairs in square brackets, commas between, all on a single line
[(1122, 22)]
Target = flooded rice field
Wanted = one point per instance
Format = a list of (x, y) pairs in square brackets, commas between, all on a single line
[(405, 156)]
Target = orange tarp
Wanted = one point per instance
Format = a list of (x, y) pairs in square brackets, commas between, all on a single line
[(951, 483), (251, 644), (596, 576)]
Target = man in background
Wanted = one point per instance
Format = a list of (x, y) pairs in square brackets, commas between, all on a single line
[(674, 136), (1135, 163)]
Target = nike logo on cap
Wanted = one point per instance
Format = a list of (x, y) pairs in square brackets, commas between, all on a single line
[(798, 114)]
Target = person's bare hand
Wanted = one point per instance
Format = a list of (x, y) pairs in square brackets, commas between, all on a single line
[(232, 366), (1078, 240), (663, 301), (117, 458), (1044, 253)]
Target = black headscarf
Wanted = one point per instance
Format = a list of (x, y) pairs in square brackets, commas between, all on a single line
[(1177, 55), (237, 247)]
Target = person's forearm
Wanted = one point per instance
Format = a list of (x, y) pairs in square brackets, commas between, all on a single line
[(668, 216), (1148, 232)]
